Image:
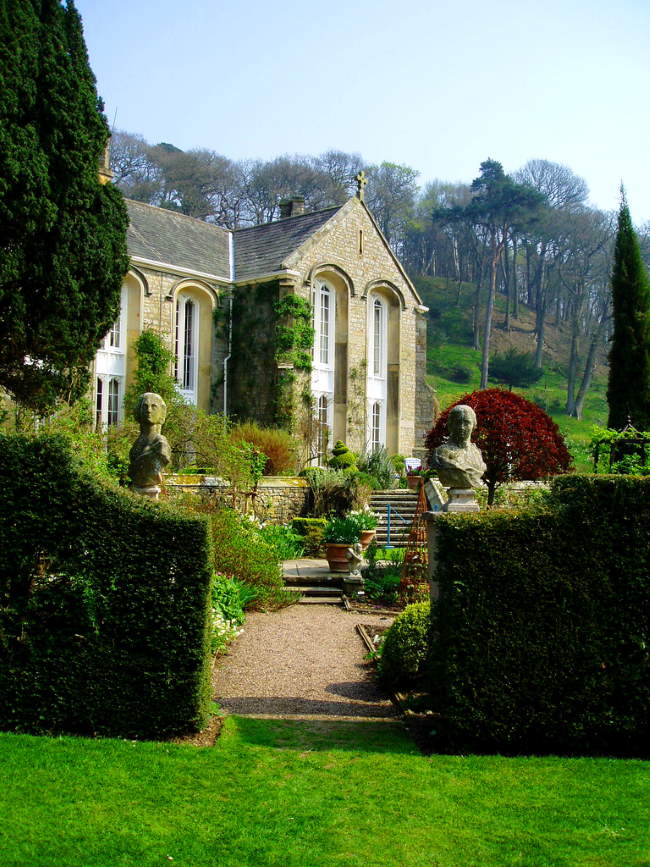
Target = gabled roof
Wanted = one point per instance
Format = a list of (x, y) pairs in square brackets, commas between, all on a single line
[(166, 236), (262, 249)]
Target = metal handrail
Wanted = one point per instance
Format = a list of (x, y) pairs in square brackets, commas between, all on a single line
[(389, 510)]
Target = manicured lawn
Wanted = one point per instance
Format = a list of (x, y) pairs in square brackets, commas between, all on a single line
[(309, 794)]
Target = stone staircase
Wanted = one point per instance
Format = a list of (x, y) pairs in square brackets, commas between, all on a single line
[(312, 578), (403, 503)]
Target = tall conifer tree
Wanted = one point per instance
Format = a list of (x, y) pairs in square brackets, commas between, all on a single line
[(628, 391), (62, 234)]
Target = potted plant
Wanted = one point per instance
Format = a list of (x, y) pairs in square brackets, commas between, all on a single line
[(340, 534), (413, 478), (367, 521)]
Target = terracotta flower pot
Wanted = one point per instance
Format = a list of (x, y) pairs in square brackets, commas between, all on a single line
[(413, 482), (335, 553), (366, 538)]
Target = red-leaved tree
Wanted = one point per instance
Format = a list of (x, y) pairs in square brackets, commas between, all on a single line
[(518, 440)]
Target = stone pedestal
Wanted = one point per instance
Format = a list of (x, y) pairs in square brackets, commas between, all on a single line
[(153, 491), (461, 500), (353, 584)]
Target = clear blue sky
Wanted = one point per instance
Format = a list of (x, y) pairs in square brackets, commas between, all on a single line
[(439, 86)]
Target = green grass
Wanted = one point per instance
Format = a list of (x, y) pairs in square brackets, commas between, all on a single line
[(275, 792)]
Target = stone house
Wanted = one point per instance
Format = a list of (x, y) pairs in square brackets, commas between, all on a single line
[(309, 323)]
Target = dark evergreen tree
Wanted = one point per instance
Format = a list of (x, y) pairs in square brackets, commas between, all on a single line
[(62, 234), (628, 391)]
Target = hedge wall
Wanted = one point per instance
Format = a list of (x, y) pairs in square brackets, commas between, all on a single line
[(104, 601), (542, 640)]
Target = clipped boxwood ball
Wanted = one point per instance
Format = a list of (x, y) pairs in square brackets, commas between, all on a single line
[(406, 646), (344, 461)]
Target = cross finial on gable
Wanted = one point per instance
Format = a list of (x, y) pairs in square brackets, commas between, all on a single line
[(361, 180)]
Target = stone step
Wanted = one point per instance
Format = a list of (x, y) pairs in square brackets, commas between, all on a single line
[(325, 580), (405, 503), (316, 591)]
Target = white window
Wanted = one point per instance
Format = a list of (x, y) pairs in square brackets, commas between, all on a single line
[(109, 394), (110, 370), (187, 347), (99, 403), (375, 426), (378, 338), (323, 322), (113, 341), (322, 375), (324, 428), (113, 407), (325, 327), (377, 383)]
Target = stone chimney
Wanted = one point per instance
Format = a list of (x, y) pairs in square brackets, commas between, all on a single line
[(293, 207)]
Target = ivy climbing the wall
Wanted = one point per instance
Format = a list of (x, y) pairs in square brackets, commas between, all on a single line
[(295, 334), (294, 341)]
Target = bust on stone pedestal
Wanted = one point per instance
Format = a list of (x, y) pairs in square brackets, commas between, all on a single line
[(150, 453), (459, 462)]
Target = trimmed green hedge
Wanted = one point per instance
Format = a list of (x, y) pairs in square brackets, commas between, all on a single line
[(104, 601), (542, 639)]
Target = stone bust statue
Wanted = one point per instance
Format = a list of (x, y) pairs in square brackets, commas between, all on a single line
[(150, 453), (458, 461)]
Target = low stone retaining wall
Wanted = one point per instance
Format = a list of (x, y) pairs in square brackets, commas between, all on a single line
[(278, 499)]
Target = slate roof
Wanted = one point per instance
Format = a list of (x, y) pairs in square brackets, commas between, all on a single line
[(262, 249), (167, 236), (170, 237)]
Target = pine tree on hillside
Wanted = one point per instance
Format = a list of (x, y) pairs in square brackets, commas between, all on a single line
[(628, 391), (62, 234)]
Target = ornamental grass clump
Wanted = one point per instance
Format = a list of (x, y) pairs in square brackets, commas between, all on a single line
[(335, 491), (277, 445)]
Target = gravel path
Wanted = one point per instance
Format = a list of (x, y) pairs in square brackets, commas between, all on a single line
[(302, 662)]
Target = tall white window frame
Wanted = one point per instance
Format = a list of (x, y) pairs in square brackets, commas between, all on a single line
[(377, 377), (110, 371), (324, 421), (376, 412), (378, 338), (115, 338), (109, 397), (187, 347), (323, 301)]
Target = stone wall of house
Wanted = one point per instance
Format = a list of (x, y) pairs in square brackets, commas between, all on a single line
[(157, 312), (278, 499)]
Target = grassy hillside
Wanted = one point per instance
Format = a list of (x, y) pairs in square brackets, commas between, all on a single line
[(454, 367)]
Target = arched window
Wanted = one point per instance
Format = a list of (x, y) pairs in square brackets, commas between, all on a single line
[(323, 313), (378, 338), (322, 377), (377, 384), (186, 347)]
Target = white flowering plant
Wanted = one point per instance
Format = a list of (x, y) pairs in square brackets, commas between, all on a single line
[(229, 598)]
